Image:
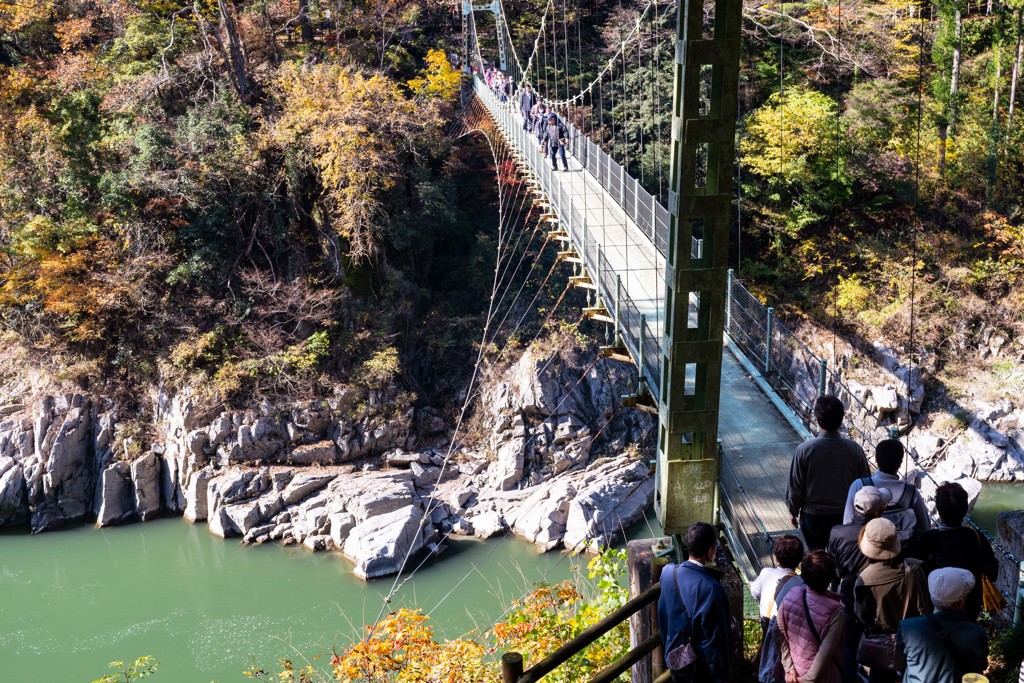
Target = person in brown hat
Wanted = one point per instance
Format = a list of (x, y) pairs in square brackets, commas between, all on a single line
[(888, 590)]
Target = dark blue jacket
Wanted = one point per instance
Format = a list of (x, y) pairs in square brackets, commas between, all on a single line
[(928, 660), (697, 608)]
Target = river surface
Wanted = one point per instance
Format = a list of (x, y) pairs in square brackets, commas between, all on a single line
[(71, 601)]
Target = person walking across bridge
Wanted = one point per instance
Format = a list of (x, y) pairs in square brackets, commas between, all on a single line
[(954, 545), (907, 509), (693, 613), (888, 590), (812, 624), (820, 476), (527, 102), (556, 135)]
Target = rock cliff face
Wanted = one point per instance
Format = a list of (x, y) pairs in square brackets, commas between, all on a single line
[(552, 468)]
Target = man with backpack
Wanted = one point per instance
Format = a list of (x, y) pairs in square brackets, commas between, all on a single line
[(907, 509), (942, 647)]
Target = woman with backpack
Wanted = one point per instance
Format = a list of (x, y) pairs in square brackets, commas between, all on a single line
[(812, 624)]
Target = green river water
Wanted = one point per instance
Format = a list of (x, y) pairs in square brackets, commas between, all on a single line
[(74, 600)]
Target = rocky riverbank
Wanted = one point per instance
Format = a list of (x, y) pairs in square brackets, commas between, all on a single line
[(553, 461)]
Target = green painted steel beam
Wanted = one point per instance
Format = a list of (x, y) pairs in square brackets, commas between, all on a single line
[(700, 204)]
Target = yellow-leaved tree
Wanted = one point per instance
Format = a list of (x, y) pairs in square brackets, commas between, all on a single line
[(357, 133), (438, 78)]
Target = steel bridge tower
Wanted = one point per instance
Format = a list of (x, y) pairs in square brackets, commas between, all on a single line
[(700, 203)]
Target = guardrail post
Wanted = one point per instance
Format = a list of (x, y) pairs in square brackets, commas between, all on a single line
[(654, 220), (640, 354), (1018, 608), (821, 377), (618, 299), (511, 667), (768, 340), (728, 301)]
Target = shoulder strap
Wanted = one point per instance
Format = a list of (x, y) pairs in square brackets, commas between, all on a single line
[(679, 592), (907, 488), (780, 591), (947, 642), (866, 481), (906, 590), (810, 621)]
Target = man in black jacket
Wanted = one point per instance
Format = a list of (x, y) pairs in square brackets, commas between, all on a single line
[(527, 99), (868, 503), (821, 474)]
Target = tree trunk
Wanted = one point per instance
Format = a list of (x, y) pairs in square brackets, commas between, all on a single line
[(1017, 57), (943, 134), (954, 79), (235, 57), (305, 26), (995, 90)]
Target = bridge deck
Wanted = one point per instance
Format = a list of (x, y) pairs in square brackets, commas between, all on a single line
[(756, 438)]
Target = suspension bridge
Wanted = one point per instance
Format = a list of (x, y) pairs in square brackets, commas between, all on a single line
[(732, 386)]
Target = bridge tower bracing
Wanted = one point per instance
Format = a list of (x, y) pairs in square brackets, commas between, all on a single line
[(499, 24), (700, 200)]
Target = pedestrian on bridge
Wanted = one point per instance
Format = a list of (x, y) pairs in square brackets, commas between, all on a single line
[(812, 624), (952, 544), (907, 509), (820, 476), (527, 102), (888, 590), (770, 589), (843, 544), (556, 136), (693, 613)]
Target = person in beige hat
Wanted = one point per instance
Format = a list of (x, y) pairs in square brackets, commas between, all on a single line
[(888, 590), (942, 647)]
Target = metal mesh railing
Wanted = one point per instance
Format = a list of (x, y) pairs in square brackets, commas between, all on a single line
[(635, 331)]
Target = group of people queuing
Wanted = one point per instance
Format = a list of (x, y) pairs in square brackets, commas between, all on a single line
[(539, 118), (499, 83), (872, 593), (542, 121)]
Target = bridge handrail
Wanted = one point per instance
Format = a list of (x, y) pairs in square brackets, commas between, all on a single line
[(636, 334), (783, 353)]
